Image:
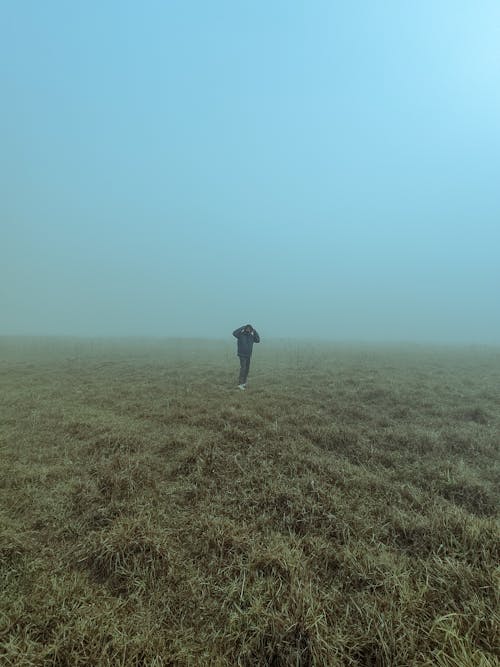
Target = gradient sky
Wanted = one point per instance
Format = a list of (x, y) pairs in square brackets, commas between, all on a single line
[(317, 168)]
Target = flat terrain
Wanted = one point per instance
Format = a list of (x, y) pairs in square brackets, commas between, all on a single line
[(341, 511)]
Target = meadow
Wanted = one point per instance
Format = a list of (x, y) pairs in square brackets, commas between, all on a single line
[(343, 511)]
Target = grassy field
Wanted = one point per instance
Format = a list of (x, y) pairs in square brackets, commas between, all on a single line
[(341, 511)]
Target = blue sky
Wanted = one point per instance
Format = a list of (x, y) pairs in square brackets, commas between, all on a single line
[(320, 169)]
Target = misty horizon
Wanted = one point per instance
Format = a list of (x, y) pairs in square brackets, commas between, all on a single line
[(322, 171)]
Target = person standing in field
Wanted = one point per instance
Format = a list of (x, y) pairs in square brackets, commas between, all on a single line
[(246, 336)]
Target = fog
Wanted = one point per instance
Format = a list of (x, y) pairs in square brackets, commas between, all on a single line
[(318, 169)]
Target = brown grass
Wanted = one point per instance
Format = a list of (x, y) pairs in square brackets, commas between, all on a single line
[(342, 511)]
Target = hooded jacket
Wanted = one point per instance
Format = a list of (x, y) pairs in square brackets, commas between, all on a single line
[(246, 341)]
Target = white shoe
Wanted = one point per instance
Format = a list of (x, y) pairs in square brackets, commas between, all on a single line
[(242, 387)]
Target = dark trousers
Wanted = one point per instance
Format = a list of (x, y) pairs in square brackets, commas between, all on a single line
[(244, 368)]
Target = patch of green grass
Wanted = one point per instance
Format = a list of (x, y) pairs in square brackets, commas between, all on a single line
[(341, 511)]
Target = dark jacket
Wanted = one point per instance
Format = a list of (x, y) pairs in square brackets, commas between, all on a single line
[(245, 341)]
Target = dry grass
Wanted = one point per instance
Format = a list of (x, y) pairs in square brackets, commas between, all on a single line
[(342, 511)]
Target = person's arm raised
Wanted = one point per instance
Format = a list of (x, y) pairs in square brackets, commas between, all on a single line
[(237, 332)]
